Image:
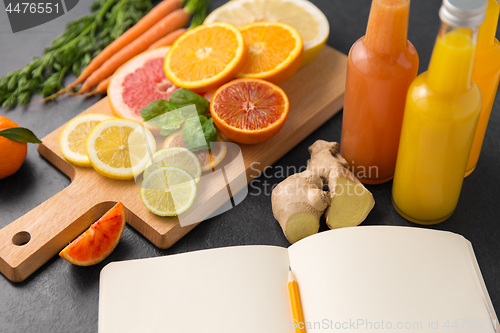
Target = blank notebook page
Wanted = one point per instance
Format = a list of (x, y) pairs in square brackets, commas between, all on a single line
[(410, 277), (228, 290)]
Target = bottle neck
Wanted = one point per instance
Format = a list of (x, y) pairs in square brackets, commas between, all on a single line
[(450, 69), (488, 29), (387, 28)]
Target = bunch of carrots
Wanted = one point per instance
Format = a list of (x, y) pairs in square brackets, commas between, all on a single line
[(160, 27)]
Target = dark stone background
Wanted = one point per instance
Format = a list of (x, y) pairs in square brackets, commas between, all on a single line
[(60, 297)]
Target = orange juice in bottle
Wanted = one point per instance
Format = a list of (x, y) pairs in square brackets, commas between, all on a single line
[(486, 74), (441, 115), (381, 67)]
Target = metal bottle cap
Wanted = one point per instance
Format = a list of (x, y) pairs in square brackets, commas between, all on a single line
[(463, 13)]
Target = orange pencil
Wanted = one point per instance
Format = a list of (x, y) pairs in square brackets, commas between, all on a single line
[(298, 317)]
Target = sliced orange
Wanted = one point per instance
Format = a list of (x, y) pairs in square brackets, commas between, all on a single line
[(98, 241), (208, 159), (206, 57), (249, 110), (274, 51)]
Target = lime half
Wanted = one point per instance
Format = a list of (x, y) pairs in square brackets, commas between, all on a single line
[(179, 157), (168, 191)]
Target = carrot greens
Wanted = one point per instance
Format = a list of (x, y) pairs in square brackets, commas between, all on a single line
[(72, 51)]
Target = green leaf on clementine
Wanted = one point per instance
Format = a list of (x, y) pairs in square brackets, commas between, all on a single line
[(20, 134)]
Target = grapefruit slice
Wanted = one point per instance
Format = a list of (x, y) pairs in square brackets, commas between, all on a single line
[(98, 241), (208, 159), (139, 82), (249, 111)]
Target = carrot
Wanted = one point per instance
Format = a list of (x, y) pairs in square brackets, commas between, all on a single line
[(168, 24), (149, 20), (168, 39), (102, 88)]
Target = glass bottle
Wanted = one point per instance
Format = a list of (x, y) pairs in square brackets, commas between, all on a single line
[(486, 74), (381, 67), (441, 115)]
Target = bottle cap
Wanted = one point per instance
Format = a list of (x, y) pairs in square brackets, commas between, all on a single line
[(463, 13)]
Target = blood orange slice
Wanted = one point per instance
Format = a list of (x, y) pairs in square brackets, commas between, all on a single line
[(95, 244), (249, 111), (139, 82), (208, 159)]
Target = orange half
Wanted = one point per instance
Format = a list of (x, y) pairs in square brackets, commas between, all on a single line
[(98, 241), (206, 57), (274, 51), (249, 111)]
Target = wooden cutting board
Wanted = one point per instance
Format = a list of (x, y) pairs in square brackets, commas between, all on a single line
[(316, 93)]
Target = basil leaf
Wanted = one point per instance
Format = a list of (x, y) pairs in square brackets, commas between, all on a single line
[(198, 132), (209, 131), (157, 108), (167, 119), (184, 97), (192, 132), (172, 120), (172, 125), (20, 134)]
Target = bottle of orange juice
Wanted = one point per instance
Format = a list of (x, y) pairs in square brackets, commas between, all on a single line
[(381, 67), (487, 75), (441, 115)]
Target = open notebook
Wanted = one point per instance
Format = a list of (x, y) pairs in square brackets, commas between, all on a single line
[(361, 279)]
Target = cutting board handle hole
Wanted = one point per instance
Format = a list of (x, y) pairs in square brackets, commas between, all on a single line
[(21, 238)]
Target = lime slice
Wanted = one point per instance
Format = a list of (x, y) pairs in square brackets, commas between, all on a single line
[(179, 157), (168, 191)]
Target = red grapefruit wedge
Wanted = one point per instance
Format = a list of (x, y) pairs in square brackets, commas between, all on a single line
[(98, 241), (139, 82)]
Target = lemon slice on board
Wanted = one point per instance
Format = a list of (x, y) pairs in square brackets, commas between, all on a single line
[(308, 19), (120, 148), (168, 191), (73, 136), (175, 156)]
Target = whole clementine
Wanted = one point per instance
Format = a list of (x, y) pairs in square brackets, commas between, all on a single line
[(12, 153)]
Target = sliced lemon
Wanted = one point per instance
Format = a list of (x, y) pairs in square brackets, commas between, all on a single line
[(120, 148), (73, 136), (175, 156), (168, 191), (308, 19)]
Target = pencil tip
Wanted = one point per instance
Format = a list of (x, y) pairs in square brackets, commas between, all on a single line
[(291, 278), (289, 268)]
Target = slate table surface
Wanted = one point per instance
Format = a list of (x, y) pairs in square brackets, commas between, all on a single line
[(60, 297)]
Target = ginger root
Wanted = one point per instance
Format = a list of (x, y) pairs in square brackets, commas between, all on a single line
[(299, 201)]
